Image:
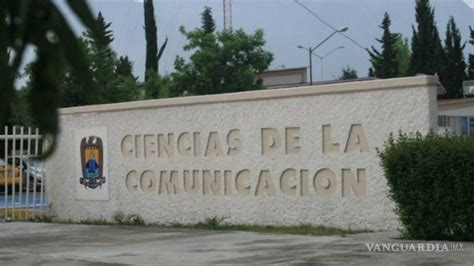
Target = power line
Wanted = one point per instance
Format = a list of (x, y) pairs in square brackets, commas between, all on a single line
[(329, 25)]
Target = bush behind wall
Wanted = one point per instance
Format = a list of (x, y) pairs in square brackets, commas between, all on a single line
[(431, 180)]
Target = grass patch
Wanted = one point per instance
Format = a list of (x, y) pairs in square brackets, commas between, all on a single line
[(41, 219), (304, 229), (86, 222), (123, 219), (118, 219)]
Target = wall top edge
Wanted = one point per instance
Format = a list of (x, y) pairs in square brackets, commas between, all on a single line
[(337, 88)]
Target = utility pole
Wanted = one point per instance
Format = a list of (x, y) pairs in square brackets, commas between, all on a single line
[(227, 4), (324, 56), (310, 66), (312, 49)]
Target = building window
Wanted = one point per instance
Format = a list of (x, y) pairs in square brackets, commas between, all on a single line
[(464, 125), (444, 121)]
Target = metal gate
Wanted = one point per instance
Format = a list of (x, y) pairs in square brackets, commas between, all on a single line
[(22, 174)]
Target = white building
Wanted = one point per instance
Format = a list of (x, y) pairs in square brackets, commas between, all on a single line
[(456, 116), (282, 78)]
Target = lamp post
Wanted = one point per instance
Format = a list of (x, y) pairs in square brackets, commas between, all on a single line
[(312, 49), (310, 52), (324, 56)]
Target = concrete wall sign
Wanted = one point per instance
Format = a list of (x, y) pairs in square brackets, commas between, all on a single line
[(284, 157), (291, 181)]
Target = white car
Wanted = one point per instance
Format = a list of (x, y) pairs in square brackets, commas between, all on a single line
[(32, 168)]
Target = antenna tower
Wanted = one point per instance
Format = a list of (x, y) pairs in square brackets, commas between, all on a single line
[(227, 14)]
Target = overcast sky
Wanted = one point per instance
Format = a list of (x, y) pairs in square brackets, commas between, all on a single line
[(470, 3), (286, 25)]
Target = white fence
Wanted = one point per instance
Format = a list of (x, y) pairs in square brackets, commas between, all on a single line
[(22, 174)]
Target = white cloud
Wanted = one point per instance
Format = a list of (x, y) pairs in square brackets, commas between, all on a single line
[(470, 3)]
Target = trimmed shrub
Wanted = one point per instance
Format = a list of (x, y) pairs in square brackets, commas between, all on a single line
[(431, 180)]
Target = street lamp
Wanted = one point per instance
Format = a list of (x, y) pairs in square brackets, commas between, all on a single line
[(324, 56), (312, 49)]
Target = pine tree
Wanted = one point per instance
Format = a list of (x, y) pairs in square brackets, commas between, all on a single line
[(403, 55), (385, 64), (102, 58), (208, 24), (348, 73), (470, 70), (427, 52), (106, 71), (455, 64), (103, 36), (124, 67), (151, 36)]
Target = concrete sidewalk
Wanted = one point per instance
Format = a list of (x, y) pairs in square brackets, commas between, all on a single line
[(65, 244)]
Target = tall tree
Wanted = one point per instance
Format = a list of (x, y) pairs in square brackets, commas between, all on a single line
[(73, 92), (102, 58), (104, 35), (111, 85), (151, 36), (124, 67), (470, 70), (226, 61), (427, 52), (455, 64), (403, 55), (384, 63), (208, 24)]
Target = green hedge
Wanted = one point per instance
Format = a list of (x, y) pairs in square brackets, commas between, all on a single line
[(431, 180)]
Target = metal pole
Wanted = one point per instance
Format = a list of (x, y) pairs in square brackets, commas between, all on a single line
[(310, 66), (21, 212), (42, 194), (36, 166), (28, 178), (6, 172), (14, 169), (323, 41)]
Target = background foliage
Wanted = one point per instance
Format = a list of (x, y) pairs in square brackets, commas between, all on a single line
[(348, 73), (226, 61)]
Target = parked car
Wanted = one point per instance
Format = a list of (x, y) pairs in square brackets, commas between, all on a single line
[(11, 173), (32, 168)]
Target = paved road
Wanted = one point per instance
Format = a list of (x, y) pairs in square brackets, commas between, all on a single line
[(61, 244)]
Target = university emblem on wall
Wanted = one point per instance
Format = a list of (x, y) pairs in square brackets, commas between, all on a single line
[(92, 162)]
